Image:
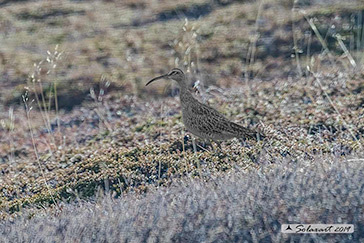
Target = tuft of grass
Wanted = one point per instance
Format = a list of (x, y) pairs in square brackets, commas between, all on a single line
[(237, 206)]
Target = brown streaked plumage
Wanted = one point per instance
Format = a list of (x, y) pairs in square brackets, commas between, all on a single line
[(204, 121)]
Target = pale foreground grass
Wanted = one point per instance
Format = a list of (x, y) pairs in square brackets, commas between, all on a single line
[(233, 207)]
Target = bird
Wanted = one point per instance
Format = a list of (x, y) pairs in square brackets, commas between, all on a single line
[(202, 120)]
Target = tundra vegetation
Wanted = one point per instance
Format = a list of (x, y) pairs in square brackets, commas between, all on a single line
[(87, 153)]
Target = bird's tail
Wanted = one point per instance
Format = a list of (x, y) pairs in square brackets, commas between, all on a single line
[(248, 133)]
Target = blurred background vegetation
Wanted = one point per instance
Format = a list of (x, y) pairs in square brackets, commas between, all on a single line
[(217, 41)]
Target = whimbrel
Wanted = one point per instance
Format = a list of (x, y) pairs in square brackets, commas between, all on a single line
[(204, 121)]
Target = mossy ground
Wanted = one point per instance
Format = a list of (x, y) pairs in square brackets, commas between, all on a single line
[(112, 134)]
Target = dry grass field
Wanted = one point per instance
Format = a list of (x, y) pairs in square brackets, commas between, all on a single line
[(89, 154)]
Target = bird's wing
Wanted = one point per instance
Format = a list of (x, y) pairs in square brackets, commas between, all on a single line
[(210, 120), (243, 131), (204, 119), (203, 110)]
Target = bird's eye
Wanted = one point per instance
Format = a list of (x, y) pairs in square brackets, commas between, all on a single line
[(173, 73)]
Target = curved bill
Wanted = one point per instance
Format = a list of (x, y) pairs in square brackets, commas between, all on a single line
[(156, 78)]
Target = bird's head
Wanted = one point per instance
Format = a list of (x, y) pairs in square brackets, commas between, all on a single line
[(175, 74)]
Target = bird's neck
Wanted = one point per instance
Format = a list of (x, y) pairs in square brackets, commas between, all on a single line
[(183, 85), (185, 95)]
